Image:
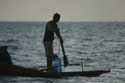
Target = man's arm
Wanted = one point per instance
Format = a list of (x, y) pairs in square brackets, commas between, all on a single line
[(54, 28), (59, 35)]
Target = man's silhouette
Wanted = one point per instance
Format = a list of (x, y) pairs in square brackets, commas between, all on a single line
[(51, 29)]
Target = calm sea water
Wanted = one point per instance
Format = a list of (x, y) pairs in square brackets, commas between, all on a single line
[(99, 45)]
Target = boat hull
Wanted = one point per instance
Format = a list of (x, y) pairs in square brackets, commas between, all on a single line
[(13, 70)]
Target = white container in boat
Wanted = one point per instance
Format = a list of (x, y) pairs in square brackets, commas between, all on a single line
[(56, 62)]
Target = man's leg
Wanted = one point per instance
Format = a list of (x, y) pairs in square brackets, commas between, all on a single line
[(49, 53)]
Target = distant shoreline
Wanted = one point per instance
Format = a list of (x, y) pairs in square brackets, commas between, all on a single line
[(63, 21)]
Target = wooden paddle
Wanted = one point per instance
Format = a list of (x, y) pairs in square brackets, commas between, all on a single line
[(65, 59)]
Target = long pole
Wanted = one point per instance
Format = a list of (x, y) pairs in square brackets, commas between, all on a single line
[(74, 64), (65, 59)]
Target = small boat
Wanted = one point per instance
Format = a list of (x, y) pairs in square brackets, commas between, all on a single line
[(13, 70)]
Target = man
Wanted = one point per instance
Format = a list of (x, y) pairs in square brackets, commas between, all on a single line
[(5, 58), (51, 29)]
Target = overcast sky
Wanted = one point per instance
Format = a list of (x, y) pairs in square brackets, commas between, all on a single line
[(70, 10)]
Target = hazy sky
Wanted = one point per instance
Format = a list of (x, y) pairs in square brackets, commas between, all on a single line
[(70, 10)]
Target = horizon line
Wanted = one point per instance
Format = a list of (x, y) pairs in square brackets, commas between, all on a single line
[(63, 21)]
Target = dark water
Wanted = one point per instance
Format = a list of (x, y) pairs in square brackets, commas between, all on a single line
[(99, 45)]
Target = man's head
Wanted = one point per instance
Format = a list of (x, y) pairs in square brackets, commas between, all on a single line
[(56, 17)]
